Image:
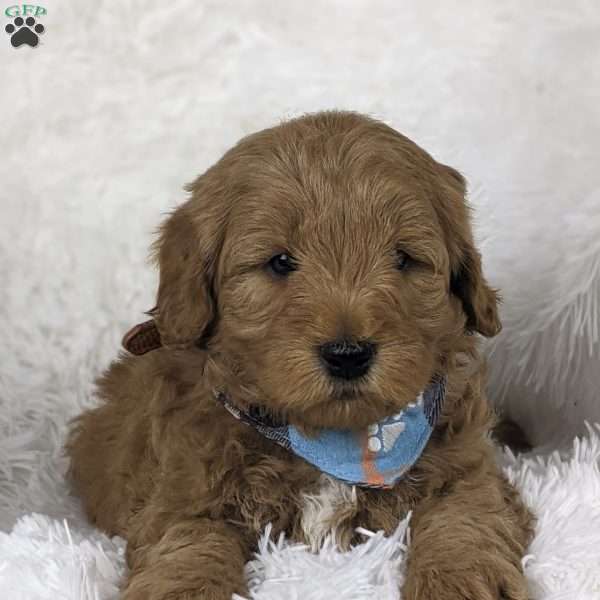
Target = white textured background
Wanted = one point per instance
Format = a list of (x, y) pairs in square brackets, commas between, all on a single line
[(124, 102)]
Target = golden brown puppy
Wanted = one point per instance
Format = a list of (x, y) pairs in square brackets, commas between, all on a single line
[(331, 228)]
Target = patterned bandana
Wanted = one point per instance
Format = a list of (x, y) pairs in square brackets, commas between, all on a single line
[(375, 457)]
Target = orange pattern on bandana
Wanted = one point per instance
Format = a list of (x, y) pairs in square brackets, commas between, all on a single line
[(372, 475)]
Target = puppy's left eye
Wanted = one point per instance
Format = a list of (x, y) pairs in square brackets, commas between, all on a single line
[(402, 259), (282, 264)]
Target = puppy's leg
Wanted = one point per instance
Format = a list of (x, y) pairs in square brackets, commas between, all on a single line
[(200, 559), (468, 543)]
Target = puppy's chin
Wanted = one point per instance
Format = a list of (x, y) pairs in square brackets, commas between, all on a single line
[(346, 408)]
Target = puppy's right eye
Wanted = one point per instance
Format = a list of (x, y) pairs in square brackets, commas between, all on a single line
[(282, 264)]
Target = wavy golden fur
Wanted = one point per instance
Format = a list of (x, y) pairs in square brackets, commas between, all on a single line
[(190, 488)]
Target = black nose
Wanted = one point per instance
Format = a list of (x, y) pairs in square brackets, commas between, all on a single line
[(346, 359)]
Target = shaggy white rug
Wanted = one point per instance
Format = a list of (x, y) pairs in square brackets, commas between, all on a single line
[(122, 103)]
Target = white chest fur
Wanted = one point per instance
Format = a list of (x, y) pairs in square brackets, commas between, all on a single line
[(329, 511)]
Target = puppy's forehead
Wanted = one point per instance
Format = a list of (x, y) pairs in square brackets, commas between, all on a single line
[(343, 202), (326, 191)]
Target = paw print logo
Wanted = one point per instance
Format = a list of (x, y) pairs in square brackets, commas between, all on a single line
[(383, 435), (24, 31)]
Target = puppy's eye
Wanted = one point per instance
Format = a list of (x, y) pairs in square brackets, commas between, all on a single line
[(403, 260), (282, 264)]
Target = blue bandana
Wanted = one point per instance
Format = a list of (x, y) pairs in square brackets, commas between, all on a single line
[(375, 457)]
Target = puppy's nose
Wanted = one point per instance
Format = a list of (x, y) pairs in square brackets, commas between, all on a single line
[(346, 359)]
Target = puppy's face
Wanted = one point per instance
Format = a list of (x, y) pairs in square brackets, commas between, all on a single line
[(336, 269)]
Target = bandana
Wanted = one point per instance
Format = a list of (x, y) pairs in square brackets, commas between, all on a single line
[(376, 457)]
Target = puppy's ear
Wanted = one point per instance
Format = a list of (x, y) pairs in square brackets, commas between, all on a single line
[(186, 252), (479, 300)]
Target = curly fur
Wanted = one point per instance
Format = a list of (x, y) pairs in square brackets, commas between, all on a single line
[(190, 488)]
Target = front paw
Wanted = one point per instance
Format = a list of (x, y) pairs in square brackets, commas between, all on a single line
[(496, 580)]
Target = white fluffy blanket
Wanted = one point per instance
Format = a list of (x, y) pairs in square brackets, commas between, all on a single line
[(124, 102)]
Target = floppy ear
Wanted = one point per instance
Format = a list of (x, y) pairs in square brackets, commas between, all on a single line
[(479, 300), (185, 255)]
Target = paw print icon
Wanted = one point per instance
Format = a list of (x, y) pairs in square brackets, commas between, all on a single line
[(382, 437), (24, 31)]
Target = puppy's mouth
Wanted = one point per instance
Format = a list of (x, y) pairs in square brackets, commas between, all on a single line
[(347, 392)]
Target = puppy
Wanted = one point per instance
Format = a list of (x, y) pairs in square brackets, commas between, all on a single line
[(313, 365)]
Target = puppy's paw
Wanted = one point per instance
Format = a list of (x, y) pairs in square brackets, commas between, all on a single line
[(497, 582)]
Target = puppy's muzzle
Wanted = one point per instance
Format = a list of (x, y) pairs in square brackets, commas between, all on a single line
[(347, 360)]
